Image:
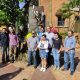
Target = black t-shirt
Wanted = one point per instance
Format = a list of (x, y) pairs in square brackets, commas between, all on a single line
[(57, 43)]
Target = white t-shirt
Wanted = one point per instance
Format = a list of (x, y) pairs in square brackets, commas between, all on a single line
[(43, 45)]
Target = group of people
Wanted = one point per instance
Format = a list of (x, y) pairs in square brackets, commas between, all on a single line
[(48, 44)]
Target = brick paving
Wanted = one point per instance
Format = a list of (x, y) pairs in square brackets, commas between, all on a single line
[(8, 71), (19, 71), (38, 75), (51, 74)]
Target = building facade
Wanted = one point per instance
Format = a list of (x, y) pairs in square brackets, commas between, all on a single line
[(50, 9)]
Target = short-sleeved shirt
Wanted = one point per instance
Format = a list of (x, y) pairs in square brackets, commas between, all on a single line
[(50, 36), (13, 39), (40, 35), (53, 30), (43, 45), (57, 43), (70, 42), (32, 43)]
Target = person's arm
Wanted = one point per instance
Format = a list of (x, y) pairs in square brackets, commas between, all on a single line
[(28, 43), (39, 44), (65, 49), (1, 39), (36, 44), (61, 45), (17, 39), (65, 42), (53, 36)]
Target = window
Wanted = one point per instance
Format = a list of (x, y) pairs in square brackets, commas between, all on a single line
[(61, 21)]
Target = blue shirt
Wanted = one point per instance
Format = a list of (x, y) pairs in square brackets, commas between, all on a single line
[(40, 35), (70, 42)]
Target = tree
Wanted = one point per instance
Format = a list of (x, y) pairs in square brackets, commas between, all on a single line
[(10, 13), (66, 12), (66, 8), (3, 17)]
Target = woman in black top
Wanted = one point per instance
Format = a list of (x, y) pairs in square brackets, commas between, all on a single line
[(56, 48)]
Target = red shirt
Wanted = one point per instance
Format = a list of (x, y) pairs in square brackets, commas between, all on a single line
[(53, 29)]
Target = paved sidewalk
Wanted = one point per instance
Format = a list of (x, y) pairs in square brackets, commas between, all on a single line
[(19, 71), (8, 71), (47, 75), (51, 74)]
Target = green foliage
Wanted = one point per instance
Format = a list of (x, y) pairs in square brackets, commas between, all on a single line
[(63, 34), (66, 8), (20, 0), (67, 14), (9, 9), (10, 12), (3, 16)]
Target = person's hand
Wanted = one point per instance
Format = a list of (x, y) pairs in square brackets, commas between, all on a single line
[(66, 49), (58, 51), (17, 45), (36, 49), (62, 49)]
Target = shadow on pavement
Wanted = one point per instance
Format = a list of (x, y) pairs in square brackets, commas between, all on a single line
[(3, 65), (9, 76), (77, 61)]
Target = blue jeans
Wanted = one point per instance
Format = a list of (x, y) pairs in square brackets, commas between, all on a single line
[(32, 53), (69, 56), (56, 57), (43, 54)]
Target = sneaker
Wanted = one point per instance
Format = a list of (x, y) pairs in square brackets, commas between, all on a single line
[(44, 69), (28, 65), (55, 67), (12, 61), (58, 68), (72, 72), (35, 67), (64, 69), (41, 69)]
